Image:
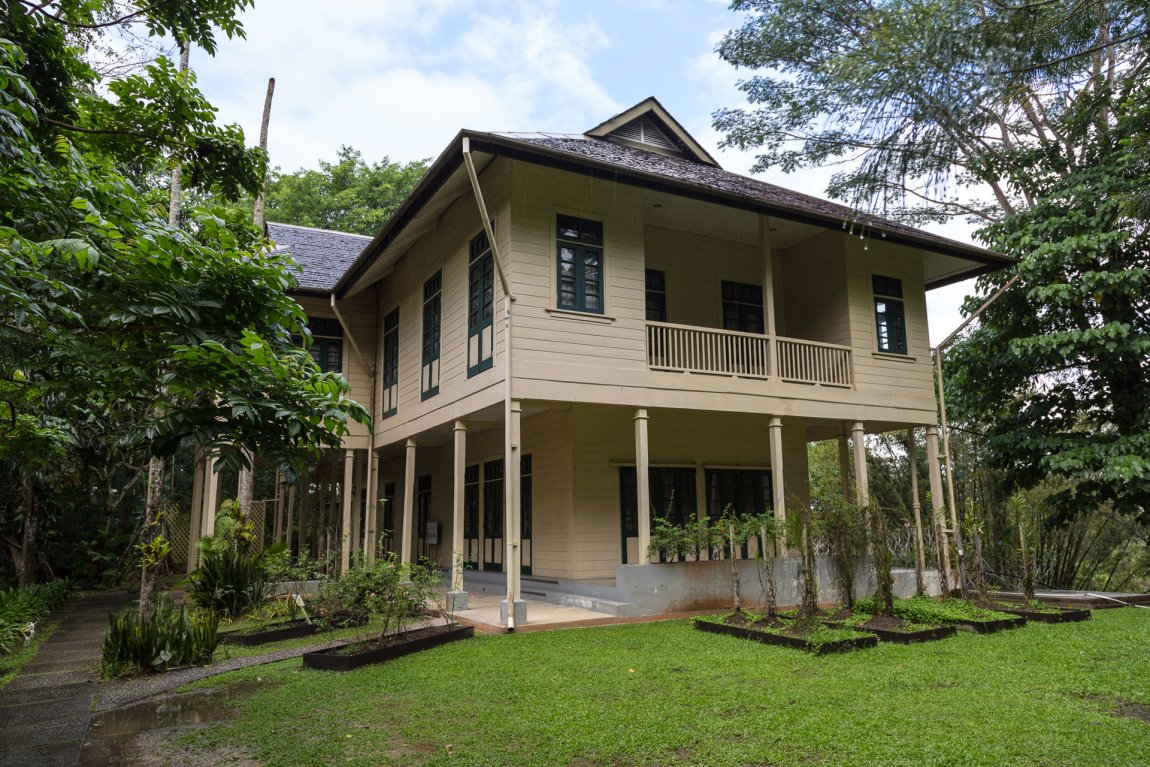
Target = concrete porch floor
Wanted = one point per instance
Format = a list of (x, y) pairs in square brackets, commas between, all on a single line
[(484, 614)]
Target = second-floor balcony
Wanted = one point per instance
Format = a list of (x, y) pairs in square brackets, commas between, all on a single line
[(691, 349)]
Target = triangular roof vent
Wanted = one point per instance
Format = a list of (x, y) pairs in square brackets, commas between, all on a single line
[(645, 131), (647, 125)]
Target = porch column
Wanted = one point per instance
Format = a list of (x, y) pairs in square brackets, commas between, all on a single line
[(937, 503), (371, 513), (512, 561), (845, 468), (357, 524), (278, 519), (408, 502), (289, 511), (778, 488), (346, 493), (920, 555), (862, 487), (643, 484), (769, 295), (196, 517), (457, 596), (211, 496), (303, 542)]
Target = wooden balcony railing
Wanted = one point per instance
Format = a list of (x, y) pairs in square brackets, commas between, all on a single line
[(812, 362), (693, 349)]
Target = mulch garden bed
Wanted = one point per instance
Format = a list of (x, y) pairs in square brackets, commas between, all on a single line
[(782, 633), (889, 629), (1048, 614), (990, 626), (355, 654), (277, 633)]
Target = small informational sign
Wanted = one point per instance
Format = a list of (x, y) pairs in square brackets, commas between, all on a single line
[(431, 537)]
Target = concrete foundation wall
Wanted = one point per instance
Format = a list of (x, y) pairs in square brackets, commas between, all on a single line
[(689, 586)]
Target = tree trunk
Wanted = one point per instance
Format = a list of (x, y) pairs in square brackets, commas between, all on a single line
[(809, 606), (769, 575), (258, 207), (27, 569), (880, 555), (150, 530), (174, 188), (1027, 564)]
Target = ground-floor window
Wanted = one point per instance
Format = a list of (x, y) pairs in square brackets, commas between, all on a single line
[(425, 535), (525, 481), (673, 498), (745, 492), (493, 515), (471, 517)]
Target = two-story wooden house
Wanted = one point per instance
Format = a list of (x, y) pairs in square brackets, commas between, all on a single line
[(678, 335)]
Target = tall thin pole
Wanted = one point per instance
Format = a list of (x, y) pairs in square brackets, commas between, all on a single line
[(258, 206)]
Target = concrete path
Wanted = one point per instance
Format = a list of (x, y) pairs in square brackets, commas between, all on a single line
[(46, 708)]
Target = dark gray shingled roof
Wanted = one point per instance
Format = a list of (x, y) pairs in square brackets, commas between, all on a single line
[(323, 255)]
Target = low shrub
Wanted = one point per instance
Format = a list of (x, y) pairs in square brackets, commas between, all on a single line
[(168, 638), (393, 592), (228, 581), (27, 605)]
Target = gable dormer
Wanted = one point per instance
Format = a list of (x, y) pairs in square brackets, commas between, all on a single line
[(649, 126)]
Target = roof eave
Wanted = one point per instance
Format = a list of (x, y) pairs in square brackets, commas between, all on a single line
[(452, 157)]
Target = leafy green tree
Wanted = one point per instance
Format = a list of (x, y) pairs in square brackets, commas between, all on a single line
[(1037, 114), (112, 316), (348, 195)]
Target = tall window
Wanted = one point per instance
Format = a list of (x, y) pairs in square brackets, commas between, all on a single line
[(742, 307), (889, 314), (432, 312), (492, 513), (326, 344), (391, 362), (656, 296), (746, 491), (580, 246), (471, 515), (672, 498), (423, 509), (388, 510), (480, 306)]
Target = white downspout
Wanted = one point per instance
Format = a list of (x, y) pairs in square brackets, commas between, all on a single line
[(510, 449)]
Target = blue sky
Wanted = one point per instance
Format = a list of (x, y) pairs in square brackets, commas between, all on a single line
[(399, 78)]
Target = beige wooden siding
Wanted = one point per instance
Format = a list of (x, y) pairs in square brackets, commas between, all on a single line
[(812, 298), (604, 440), (907, 378), (444, 248), (568, 339), (359, 378), (695, 267)]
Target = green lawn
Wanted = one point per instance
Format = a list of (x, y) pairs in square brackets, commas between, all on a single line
[(664, 693)]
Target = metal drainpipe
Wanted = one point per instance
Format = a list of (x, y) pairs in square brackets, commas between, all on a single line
[(937, 354), (510, 449)]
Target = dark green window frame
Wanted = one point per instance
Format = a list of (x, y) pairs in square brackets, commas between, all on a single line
[(390, 377), (422, 511), (480, 306), (579, 264), (432, 317), (889, 314)]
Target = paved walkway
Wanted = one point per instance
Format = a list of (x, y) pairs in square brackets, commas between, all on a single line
[(46, 708)]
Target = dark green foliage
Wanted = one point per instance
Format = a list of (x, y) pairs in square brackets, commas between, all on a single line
[(28, 604), (385, 589), (228, 581), (167, 638)]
